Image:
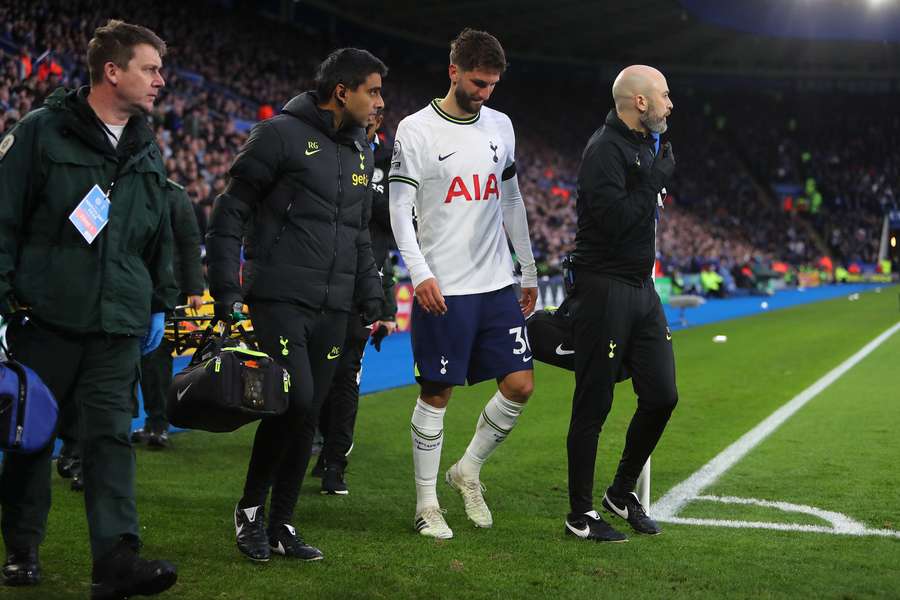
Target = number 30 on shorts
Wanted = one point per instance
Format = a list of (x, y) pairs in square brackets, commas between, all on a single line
[(521, 340)]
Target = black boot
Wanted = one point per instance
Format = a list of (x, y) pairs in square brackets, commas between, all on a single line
[(67, 462), (22, 567), (77, 484), (123, 573), (158, 439)]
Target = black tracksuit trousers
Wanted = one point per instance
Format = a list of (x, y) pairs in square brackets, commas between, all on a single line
[(338, 418), (614, 324), (308, 343)]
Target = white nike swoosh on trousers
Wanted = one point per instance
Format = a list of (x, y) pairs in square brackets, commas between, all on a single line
[(562, 351), (180, 394)]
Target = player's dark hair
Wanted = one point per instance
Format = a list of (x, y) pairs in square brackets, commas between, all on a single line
[(347, 66), (473, 49), (115, 42)]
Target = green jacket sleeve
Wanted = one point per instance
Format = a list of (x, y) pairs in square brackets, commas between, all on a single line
[(186, 232), (16, 176), (158, 255)]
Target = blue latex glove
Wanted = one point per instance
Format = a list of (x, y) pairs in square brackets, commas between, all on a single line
[(150, 342)]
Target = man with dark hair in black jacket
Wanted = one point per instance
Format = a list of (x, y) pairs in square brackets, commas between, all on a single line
[(623, 324), (338, 418), (303, 177)]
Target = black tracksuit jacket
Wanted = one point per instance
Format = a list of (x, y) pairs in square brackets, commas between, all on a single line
[(306, 187), (616, 205)]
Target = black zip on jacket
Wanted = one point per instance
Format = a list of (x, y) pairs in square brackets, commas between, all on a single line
[(306, 187), (616, 204)]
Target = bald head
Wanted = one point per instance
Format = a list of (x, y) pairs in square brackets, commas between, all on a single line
[(641, 94)]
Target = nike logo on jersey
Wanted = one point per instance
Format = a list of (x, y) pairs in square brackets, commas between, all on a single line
[(525, 359), (562, 351), (334, 353), (180, 395), (445, 157), (311, 152)]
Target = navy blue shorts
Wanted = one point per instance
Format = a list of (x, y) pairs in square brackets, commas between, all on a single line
[(480, 337)]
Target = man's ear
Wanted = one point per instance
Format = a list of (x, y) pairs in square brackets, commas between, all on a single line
[(340, 94), (111, 70), (640, 103)]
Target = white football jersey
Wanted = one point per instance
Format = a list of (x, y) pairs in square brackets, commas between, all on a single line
[(456, 166)]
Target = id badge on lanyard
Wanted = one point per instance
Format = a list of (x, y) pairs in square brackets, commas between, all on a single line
[(92, 214)]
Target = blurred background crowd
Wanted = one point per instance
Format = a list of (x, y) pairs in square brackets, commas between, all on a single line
[(767, 180)]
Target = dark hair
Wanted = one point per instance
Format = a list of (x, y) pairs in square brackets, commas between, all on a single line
[(473, 49), (115, 42), (347, 66)]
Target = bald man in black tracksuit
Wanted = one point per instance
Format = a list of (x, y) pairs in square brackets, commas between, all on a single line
[(618, 319)]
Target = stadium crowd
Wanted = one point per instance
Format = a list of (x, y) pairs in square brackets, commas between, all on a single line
[(722, 209)]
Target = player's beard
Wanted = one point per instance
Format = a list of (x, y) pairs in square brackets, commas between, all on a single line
[(464, 101), (652, 122)]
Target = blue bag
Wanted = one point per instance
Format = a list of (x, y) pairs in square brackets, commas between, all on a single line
[(28, 410)]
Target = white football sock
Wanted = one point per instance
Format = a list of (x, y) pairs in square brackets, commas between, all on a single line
[(427, 427), (496, 421)]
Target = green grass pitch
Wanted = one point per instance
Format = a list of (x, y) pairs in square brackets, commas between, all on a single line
[(838, 453)]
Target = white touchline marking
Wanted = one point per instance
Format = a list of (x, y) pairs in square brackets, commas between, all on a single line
[(668, 507)]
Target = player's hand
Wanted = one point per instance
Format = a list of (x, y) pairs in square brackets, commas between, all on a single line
[(430, 297), (528, 300), (195, 302)]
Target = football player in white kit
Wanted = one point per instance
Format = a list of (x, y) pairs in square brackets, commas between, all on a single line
[(454, 160)]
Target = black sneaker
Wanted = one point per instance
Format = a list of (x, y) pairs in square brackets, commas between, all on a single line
[(22, 567), (589, 526), (333, 483), (77, 484), (66, 463), (140, 435), (250, 530), (123, 573), (285, 541), (318, 469), (158, 440), (629, 508)]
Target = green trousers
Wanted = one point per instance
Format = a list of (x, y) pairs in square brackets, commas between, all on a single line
[(156, 370), (96, 376)]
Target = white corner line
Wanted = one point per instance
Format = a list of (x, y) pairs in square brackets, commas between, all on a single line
[(668, 507), (840, 523), (780, 527)]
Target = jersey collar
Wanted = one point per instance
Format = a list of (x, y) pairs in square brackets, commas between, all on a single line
[(435, 104)]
